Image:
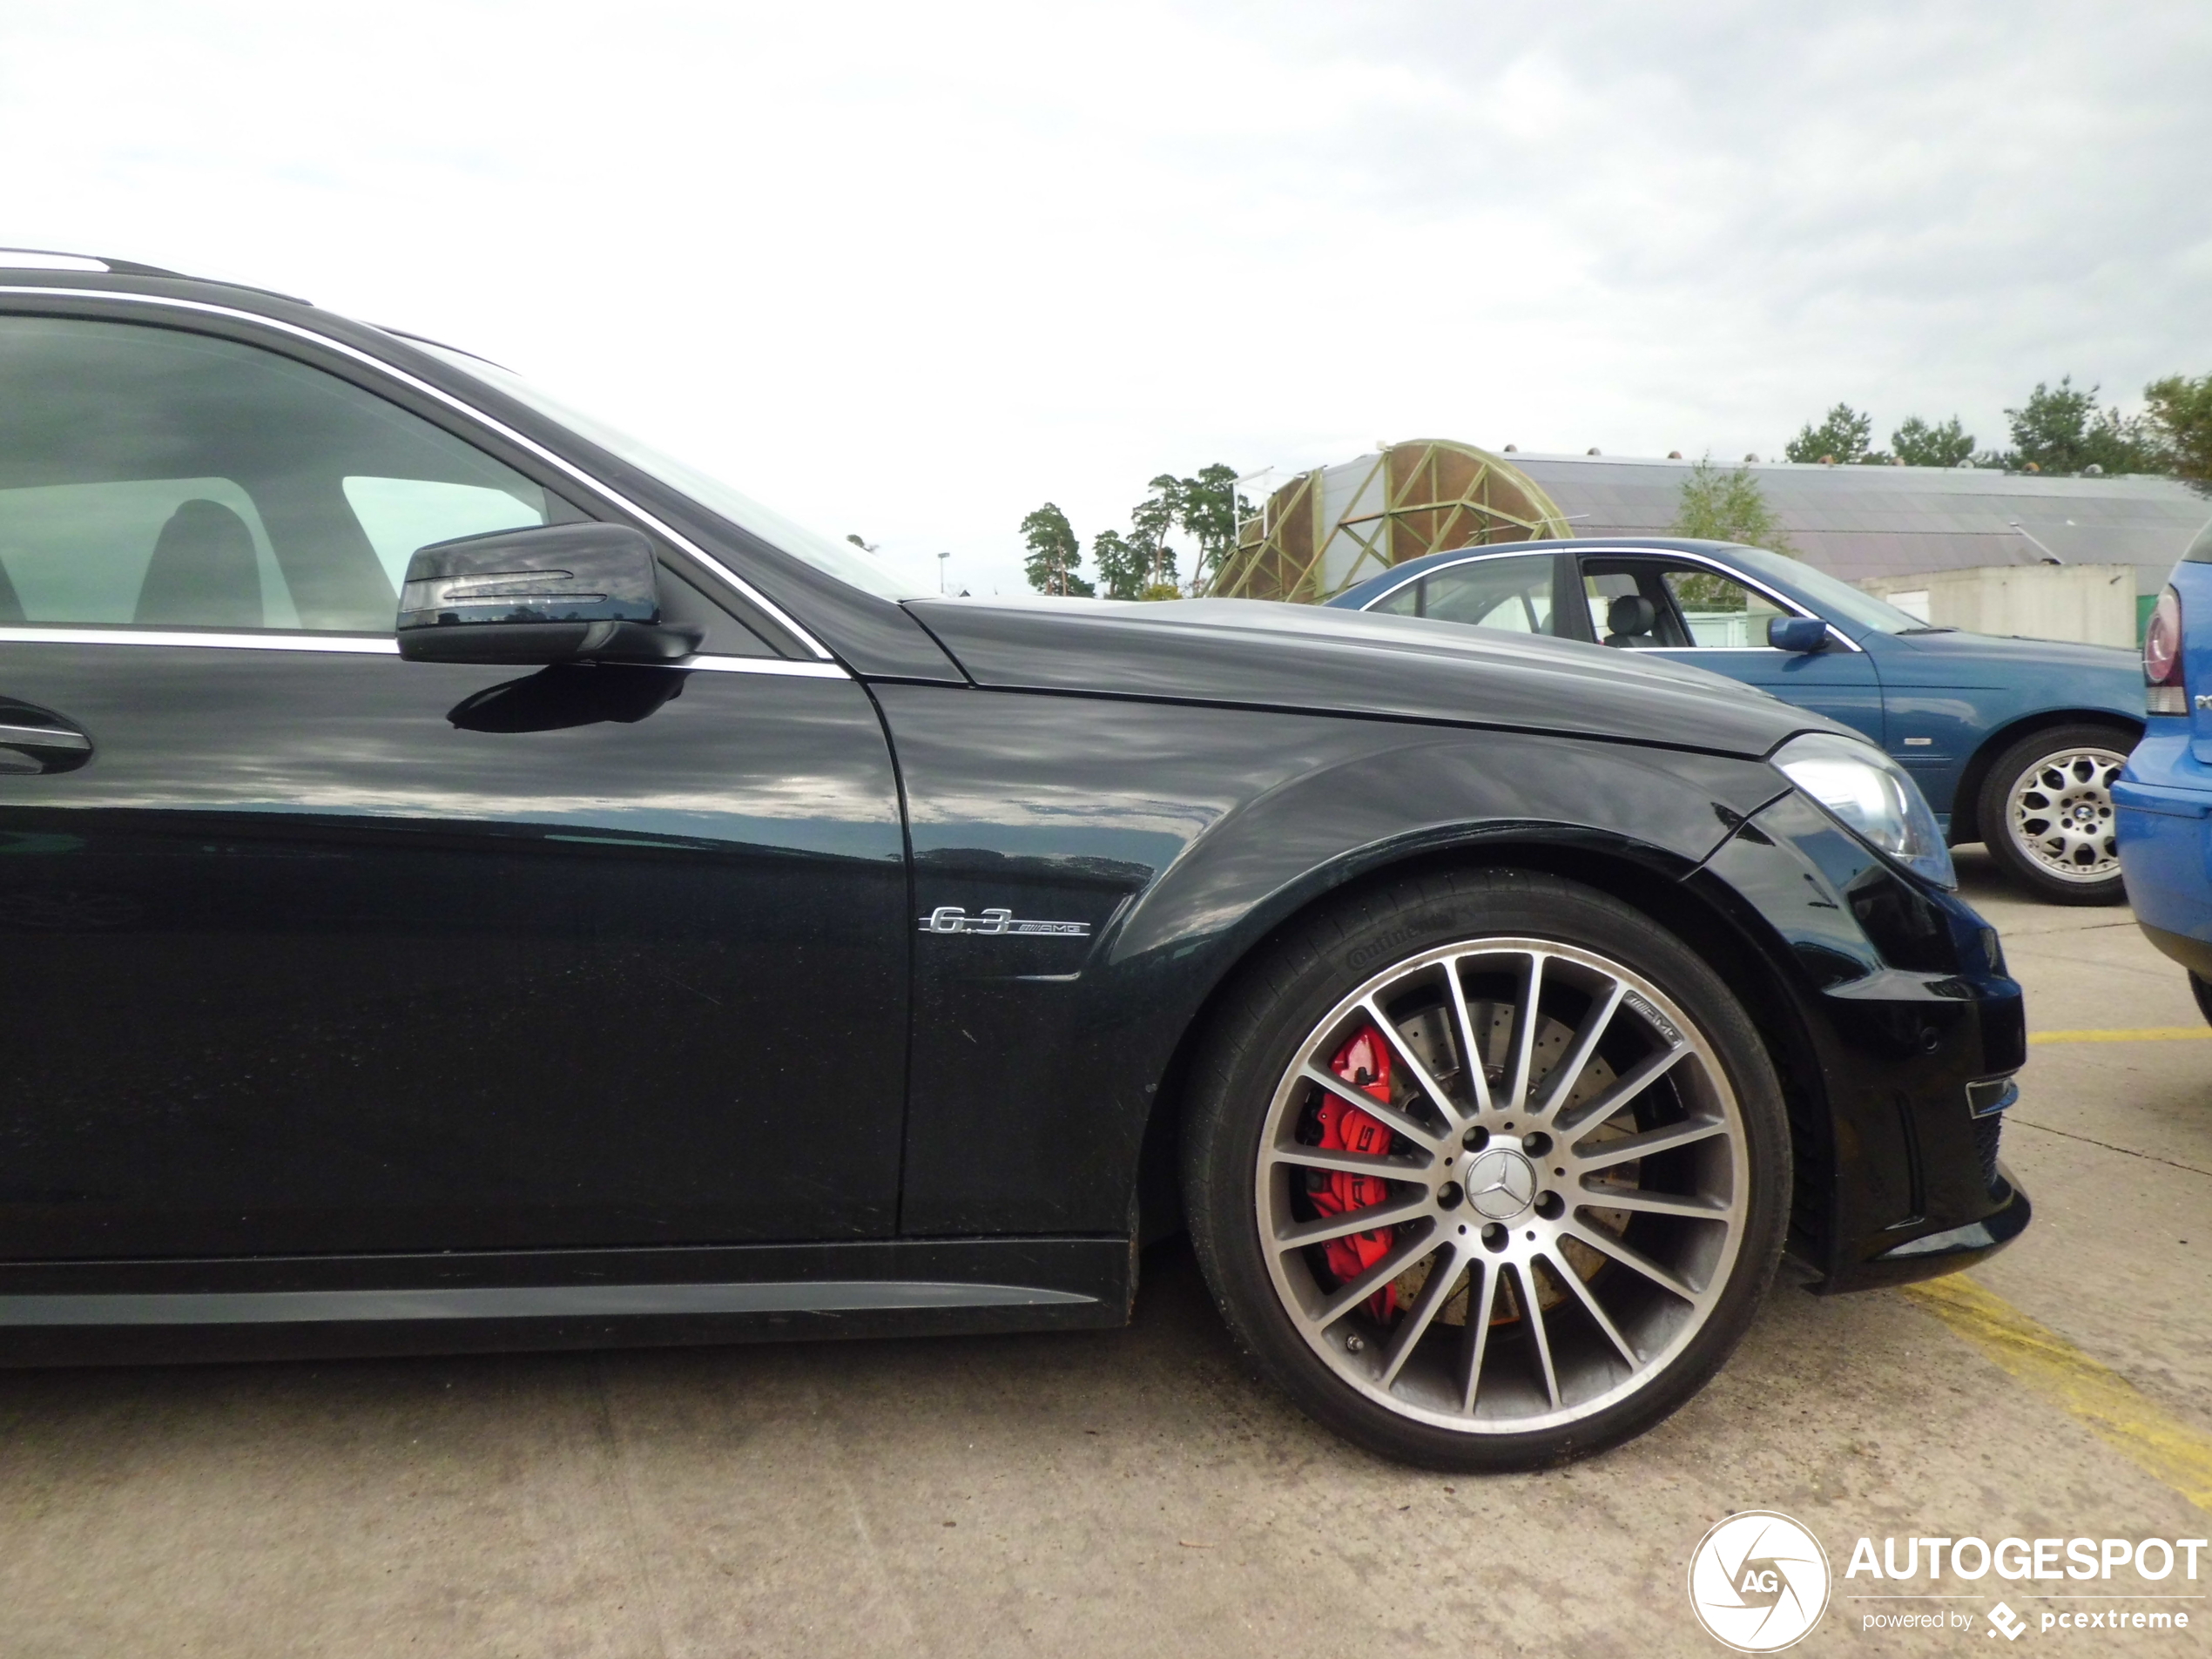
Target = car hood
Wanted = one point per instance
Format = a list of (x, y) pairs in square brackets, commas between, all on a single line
[(1939, 659), (1260, 653)]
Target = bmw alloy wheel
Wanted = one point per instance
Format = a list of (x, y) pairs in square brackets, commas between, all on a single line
[(2059, 814)]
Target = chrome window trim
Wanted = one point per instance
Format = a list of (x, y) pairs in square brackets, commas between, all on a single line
[(355, 644), (1598, 549), (254, 319), (783, 665), (368, 646)]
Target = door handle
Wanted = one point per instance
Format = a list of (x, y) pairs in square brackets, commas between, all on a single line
[(35, 740)]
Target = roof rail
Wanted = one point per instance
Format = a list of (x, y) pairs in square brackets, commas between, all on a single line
[(42, 258), (46, 259)]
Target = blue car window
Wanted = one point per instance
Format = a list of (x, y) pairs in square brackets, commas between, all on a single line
[(1628, 604), (1406, 602), (1835, 597), (1719, 612), (1510, 593)]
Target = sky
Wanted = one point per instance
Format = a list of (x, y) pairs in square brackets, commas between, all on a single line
[(910, 271)]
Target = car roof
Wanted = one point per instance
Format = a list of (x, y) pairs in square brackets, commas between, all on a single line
[(1359, 592)]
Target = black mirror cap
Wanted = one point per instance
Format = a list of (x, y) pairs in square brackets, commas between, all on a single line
[(1804, 635), (540, 644), (552, 593)]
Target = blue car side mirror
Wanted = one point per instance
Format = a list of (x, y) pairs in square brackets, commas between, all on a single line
[(1804, 634)]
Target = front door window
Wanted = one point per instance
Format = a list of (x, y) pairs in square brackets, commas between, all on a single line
[(1718, 613), (160, 479)]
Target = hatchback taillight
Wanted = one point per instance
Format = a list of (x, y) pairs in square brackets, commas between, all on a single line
[(2162, 657)]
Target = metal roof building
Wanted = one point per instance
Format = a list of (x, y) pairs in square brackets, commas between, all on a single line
[(1861, 521)]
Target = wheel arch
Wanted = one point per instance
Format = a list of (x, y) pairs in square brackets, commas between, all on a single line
[(1966, 806), (1645, 878)]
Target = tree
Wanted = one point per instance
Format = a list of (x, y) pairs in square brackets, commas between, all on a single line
[(1121, 564), (2063, 430), (1054, 554), (1916, 443), (1841, 438), (1728, 507), (1211, 508), (1149, 524), (1141, 564), (2179, 416)]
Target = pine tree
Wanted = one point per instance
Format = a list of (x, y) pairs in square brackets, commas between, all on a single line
[(1054, 554), (1121, 564)]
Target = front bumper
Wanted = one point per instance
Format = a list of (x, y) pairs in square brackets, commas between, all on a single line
[(1897, 1031)]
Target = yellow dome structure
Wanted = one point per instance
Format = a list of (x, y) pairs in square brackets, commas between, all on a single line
[(1326, 529)]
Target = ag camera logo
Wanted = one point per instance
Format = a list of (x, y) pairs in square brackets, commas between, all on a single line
[(1758, 1582)]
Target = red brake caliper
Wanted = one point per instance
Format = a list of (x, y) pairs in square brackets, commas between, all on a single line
[(1364, 1063)]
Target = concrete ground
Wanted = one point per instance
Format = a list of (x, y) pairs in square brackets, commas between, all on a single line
[(1135, 1492)]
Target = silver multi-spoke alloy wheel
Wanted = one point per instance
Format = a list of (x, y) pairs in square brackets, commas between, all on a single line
[(1563, 1194), (2058, 814)]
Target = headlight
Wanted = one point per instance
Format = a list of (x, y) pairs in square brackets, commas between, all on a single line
[(1873, 796)]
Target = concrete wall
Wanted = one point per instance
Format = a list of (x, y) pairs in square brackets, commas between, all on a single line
[(2093, 603)]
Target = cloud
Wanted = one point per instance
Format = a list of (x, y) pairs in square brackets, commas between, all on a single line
[(910, 271)]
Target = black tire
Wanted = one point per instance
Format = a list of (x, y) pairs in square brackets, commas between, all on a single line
[(1268, 1023), (2203, 995), (2042, 875)]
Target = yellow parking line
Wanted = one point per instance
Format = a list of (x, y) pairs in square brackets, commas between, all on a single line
[(2106, 1403), (2147, 1033)]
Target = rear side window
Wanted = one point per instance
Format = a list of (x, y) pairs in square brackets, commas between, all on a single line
[(1403, 602), (1513, 593), (150, 478)]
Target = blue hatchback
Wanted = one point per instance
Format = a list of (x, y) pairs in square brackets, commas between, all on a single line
[(2165, 796), (2016, 743)]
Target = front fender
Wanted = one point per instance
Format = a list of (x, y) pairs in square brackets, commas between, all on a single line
[(1181, 837)]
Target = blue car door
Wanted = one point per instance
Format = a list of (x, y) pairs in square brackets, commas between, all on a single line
[(1693, 612)]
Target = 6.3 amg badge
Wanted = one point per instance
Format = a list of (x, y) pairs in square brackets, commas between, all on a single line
[(952, 918)]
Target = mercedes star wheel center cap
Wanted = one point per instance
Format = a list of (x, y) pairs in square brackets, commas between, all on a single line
[(1501, 1184)]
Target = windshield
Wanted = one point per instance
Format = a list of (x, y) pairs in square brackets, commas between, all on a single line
[(840, 559), (2201, 549), (1830, 594)]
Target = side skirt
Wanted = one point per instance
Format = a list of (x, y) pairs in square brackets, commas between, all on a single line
[(169, 1311)]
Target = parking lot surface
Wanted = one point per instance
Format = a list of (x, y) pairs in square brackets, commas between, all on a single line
[(1135, 1491)]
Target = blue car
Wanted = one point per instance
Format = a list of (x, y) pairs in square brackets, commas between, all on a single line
[(2165, 795), (2016, 743)]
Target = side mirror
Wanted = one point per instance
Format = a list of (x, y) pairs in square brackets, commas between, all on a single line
[(552, 593), (1802, 634)]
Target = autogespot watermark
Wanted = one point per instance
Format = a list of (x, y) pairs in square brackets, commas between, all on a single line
[(2152, 1582), (1760, 1582)]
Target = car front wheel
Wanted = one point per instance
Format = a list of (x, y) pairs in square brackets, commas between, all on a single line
[(1486, 1170), (2046, 812)]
